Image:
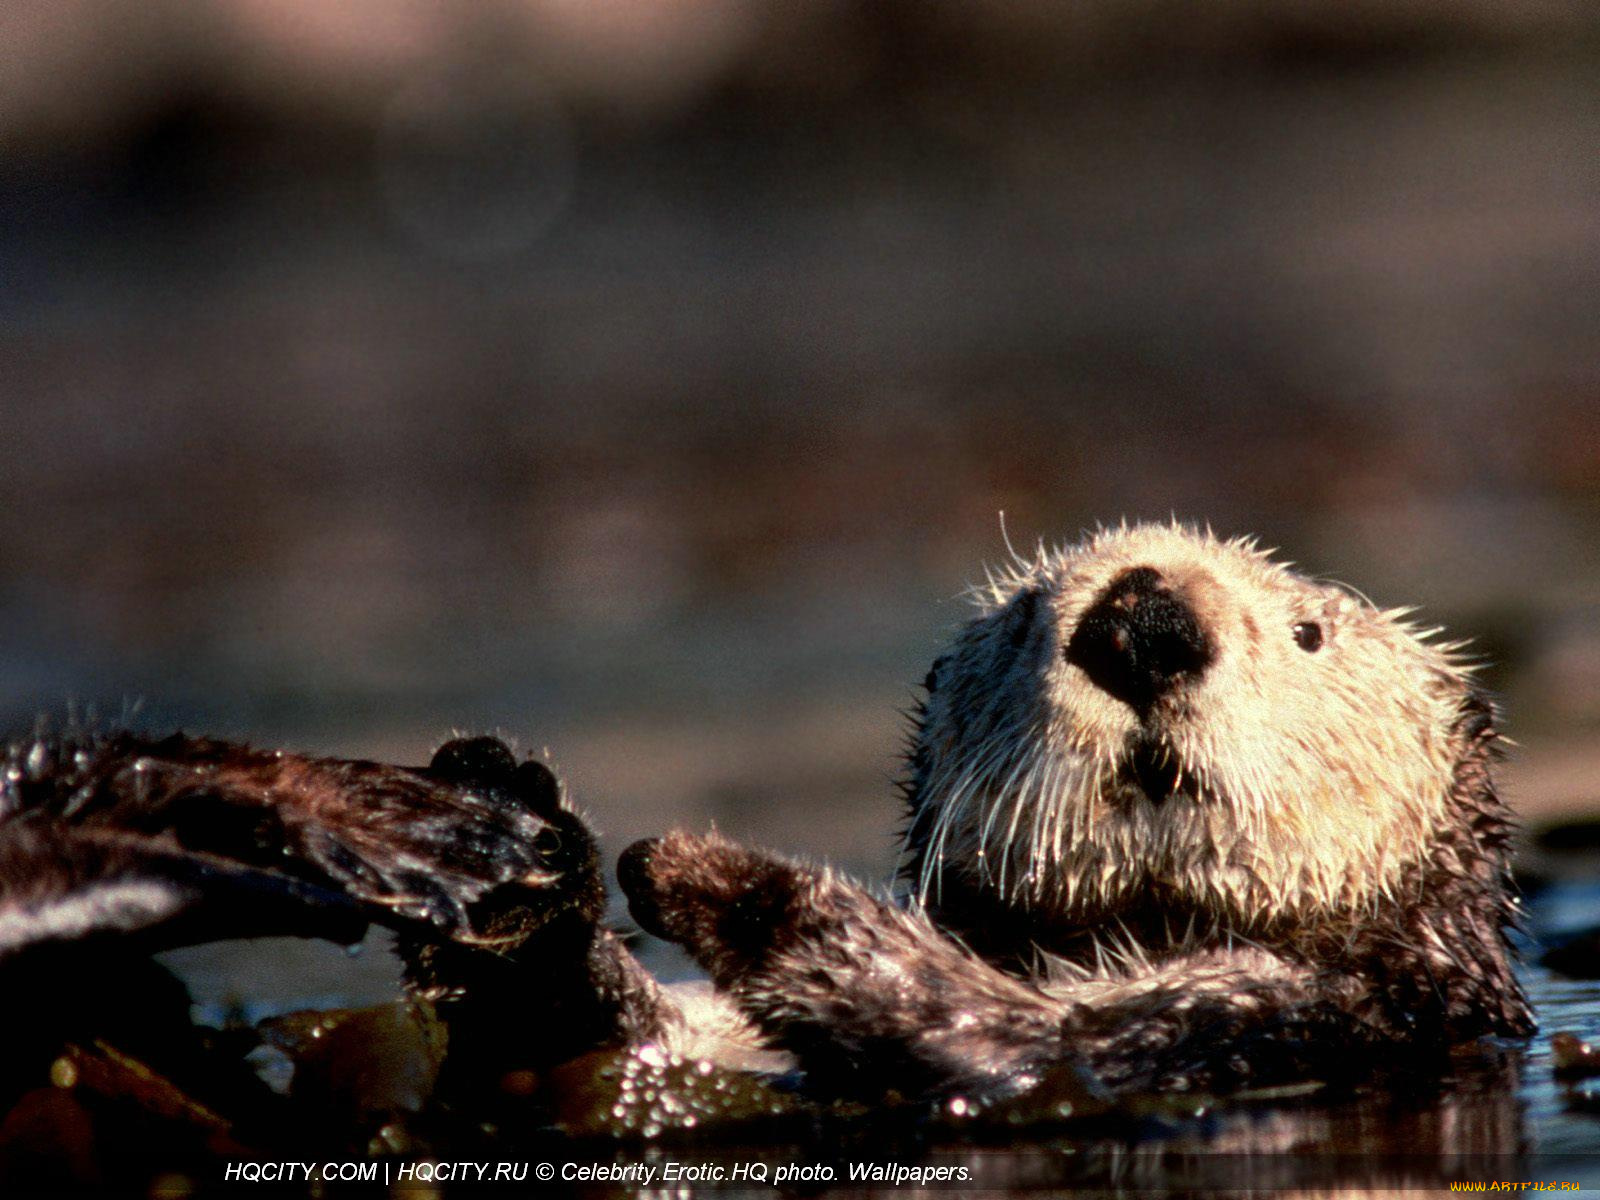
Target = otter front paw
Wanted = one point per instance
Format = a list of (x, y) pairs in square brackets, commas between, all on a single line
[(729, 907)]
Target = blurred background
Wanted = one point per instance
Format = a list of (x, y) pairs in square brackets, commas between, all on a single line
[(644, 381)]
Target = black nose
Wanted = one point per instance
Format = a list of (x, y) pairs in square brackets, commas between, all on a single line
[(1139, 639)]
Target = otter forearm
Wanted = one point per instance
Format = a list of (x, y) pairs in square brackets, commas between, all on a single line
[(861, 990), (849, 981), (1217, 1017)]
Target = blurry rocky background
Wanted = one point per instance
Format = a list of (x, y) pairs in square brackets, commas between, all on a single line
[(644, 380)]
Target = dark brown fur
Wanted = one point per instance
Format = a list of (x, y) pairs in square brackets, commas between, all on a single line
[(494, 887), (112, 846), (1435, 953), (1153, 982), (862, 989)]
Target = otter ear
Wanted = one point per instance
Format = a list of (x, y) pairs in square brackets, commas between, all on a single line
[(930, 682)]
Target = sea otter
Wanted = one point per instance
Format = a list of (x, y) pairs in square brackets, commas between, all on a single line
[(1176, 813), (1178, 817)]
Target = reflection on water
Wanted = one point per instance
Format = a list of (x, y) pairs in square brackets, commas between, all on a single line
[(1554, 1114)]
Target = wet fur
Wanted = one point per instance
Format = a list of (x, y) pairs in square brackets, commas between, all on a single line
[(81, 813), (1326, 882), (115, 845)]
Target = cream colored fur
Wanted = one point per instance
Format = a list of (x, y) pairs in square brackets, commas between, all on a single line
[(1320, 775)]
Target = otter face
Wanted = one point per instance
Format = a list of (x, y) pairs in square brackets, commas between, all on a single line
[(1160, 718)]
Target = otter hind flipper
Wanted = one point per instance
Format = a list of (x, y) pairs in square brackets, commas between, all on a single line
[(431, 844), (67, 885), (183, 826)]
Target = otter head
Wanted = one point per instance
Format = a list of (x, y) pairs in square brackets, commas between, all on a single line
[(1157, 721)]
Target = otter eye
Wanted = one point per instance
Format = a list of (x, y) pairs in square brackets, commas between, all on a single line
[(547, 843), (1308, 636)]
